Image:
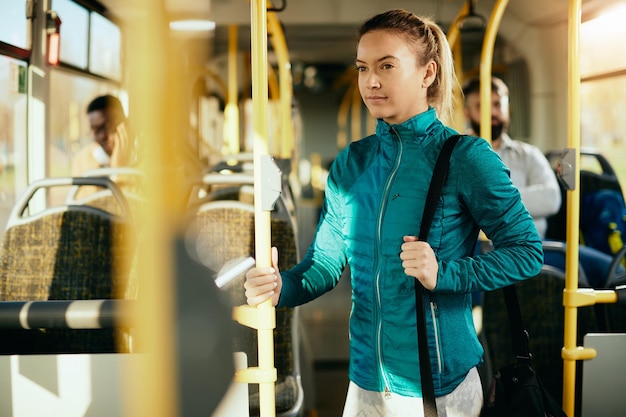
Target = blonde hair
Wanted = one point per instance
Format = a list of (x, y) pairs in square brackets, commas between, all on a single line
[(430, 43)]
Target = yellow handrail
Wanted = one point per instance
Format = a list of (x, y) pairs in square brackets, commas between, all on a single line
[(455, 44), (263, 317), (157, 74), (570, 351), (486, 62), (287, 135), (231, 111), (453, 32)]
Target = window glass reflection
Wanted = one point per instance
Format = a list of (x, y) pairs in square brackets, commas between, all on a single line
[(69, 125), (74, 30), (13, 23), (12, 134), (105, 48)]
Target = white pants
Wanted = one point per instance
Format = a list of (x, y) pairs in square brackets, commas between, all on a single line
[(465, 401)]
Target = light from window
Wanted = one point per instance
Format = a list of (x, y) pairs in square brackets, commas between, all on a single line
[(105, 48), (74, 29), (13, 23), (601, 42)]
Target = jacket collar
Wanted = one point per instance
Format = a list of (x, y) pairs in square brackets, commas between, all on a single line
[(411, 129)]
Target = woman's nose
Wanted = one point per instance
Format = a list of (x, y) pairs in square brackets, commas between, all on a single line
[(372, 81)]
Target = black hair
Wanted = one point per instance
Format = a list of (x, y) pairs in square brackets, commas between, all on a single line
[(109, 104)]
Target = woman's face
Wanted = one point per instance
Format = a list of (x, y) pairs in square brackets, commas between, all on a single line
[(392, 85)]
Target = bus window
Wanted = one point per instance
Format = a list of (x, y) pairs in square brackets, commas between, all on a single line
[(105, 48), (74, 30), (603, 89), (13, 23), (69, 126), (12, 133)]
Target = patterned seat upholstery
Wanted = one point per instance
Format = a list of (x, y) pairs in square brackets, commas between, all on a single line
[(69, 252), (541, 305), (224, 231)]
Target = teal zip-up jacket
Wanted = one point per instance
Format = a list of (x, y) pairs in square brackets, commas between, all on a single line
[(375, 195)]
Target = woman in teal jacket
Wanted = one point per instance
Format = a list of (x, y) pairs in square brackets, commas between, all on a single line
[(373, 206)]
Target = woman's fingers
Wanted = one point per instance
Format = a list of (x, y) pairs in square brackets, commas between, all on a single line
[(260, 285)]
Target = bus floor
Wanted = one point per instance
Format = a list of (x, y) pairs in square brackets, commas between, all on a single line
[(325, 348)]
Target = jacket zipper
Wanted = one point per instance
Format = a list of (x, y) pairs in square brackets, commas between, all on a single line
[(387, 392), (433, 313)]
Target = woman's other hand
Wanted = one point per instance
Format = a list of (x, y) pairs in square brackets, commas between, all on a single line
[(264, 283)]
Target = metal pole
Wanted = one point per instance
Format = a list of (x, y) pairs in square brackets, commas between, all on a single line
[(486, 63)]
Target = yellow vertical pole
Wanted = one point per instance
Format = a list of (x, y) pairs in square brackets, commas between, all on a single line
[(231, 112), (573, 207), (453, 32), (287, 134), (486, 63), (454, 40), (152, 386), (262, 217)]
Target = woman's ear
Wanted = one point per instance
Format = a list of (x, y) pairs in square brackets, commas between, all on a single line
[(430, 74)]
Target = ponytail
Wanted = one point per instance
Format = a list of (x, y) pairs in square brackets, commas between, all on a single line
[(440, 92)]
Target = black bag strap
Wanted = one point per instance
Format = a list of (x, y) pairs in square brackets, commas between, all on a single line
[(434, 191), (519, 335)]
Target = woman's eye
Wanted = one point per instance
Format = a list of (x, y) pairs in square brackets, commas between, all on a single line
[(360, 68)]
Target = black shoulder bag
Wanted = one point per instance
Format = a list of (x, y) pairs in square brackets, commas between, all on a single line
[(516, 390), (434, 191)]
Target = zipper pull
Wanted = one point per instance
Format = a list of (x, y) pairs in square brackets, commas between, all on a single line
[(395, 196), (387, 394)]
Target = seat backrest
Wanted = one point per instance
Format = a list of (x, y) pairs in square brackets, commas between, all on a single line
[(63, 253), (123, 199), (223, 231), (541, 305), (602, 207), (239, 186), (612, 316), (128, 180), (554, 256)]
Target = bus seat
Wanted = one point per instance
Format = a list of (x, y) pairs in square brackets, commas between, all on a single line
[(224, 230), (125, 197), (541, 304), (554, 254), (70, 252), (601, 200), (613, 316), (239, 186), (125, 204)]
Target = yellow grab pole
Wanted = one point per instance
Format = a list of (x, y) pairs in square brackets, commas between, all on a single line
[(453, 32), (263, 317), (570, 352), (272, 82), (486, 61), (455, 44), (231, 112), (152, 382), (458, 117), (287, 134)]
